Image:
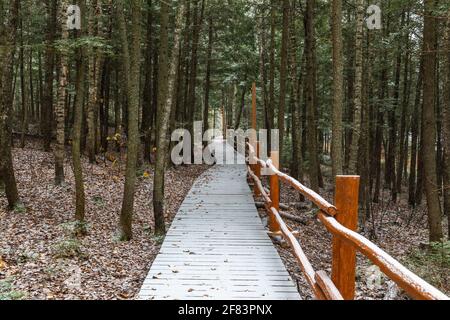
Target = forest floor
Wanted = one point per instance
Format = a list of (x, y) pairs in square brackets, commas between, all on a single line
[(40, 258), (395, 228)]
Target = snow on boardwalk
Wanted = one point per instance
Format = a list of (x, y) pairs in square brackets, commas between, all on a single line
[(217, 247)]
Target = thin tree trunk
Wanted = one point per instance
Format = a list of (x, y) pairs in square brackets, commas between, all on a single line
[(77, 131), (271, 107), (358, 87), (338, 87), (283, 76), (415, 139), (8, 34), (429, 123), (208, 74), (310, 95), (60, 106), (47, 99), (166, 95), (23, 85), (94, 81), (296, 80), (147, 111), (446, 121), (402, 149), (131, 62), (198, 21)]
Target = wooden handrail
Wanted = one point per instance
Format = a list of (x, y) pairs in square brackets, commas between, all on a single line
[(321, 284), (259, 185), (404, 278), (308, 193)]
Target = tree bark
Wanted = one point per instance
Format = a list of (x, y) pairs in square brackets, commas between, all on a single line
[(310, 95), (61, 103), (80, 202), (131, 62), (415, 139), (283, 76), (8, 34), (24, 87), (147, 108), (446, 121), (358, 88), (166, 97), (94, 82), (338, 87), (208, 73), (47, 98), (429, 123)]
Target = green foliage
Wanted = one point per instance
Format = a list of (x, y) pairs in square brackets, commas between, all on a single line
[(99, 201), (74, 228), (7, 291), (158, 239), (68, 249), (70, 46), (432, 263), (26, 256), (20, 208)]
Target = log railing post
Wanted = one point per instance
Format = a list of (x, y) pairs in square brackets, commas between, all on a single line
[(274, 193), (257, 170), (344, 255), (254, 135)]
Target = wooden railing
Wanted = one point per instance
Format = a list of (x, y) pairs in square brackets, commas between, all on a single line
[(341, 221)]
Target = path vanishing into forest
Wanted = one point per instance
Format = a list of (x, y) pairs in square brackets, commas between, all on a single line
[(217, 247)]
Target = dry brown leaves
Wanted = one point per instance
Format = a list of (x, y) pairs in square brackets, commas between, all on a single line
[(106, 269)]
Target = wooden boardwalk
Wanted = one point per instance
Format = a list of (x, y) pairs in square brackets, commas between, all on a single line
[(217, 247)]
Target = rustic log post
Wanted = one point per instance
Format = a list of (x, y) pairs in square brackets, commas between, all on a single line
[(257, 170), (254, 135), (274, 193), (344, 255), (254, 112)]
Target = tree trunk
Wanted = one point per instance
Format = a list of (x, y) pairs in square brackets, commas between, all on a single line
[(429, 122), (166, 95), (47, 99), (77, 128), (296, 79), (310, 95), (198, 21), (131, 62), (271, 107), (338, 87), (446, 121), (208, 74), (24, 87), (8, 34), (358, 88), (415, 139), (60, 106), (283, 76), (94, 82), (147, 108), (402, 149)]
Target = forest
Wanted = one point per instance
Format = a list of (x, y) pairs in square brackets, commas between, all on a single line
[(91, 91)]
